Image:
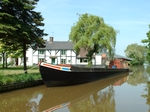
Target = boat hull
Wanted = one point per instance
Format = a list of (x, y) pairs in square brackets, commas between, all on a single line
[(55, 77)]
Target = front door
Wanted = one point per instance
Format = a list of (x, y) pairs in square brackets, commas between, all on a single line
[(53, 60)]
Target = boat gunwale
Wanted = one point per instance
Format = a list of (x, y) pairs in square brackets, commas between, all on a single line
[(72, 68)]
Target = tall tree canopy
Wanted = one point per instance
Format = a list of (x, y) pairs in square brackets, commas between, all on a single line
[(92, 34), (137, 53), (147, 42), (20, 25)]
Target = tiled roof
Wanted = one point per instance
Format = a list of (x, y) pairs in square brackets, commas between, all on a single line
[(82, 53), (55, 45)]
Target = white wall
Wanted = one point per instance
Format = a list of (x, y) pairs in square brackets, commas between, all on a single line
[(29, 55), (46, 56), (98, 59), (33, 57)]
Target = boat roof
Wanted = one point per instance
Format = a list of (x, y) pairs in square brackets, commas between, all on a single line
[(123, 57), (116, 56)]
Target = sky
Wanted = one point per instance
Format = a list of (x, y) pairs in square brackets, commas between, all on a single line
[(130, 17)]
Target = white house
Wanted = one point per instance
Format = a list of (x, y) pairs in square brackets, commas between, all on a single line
[(58, 52)]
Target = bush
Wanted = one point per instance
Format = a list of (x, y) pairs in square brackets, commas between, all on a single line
[(2, 80)]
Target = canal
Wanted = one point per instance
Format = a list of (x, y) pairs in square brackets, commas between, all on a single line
[(121, 93)]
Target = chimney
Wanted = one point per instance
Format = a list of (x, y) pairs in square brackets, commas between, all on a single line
[(51, 39)]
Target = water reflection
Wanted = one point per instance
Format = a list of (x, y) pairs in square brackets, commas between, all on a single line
[(25, 100), (140, 75), (100, 101), (33, 104), (98, 95), (146, 75)]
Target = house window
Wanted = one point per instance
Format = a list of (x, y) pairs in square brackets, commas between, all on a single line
[(63, 52), (63, 61), (82, 60), (41, 59), (69, 61), (41, 51)]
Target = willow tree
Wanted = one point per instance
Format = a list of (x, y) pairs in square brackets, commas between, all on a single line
[(93, 34)]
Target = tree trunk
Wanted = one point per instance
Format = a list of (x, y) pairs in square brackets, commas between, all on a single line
[(89, 62), (6, 59), (24, 57), (89, 56), (16, 62), (3, 55)]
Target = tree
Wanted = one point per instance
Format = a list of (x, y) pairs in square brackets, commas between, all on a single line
[(20, 25), (92, 34), (147, 41), (137, 53), (2, 51), (8, 51)]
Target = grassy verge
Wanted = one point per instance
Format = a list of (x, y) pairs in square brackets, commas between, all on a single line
[(12, 75), (11, 79), (18, 70)]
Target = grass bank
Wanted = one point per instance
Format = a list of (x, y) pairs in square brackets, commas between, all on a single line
[(15, 75), (18, 70)]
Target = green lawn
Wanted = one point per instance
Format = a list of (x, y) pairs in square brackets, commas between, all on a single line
[(18, 70), (12, 75)]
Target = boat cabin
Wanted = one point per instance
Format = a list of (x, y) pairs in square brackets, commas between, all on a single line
[(118, 63)]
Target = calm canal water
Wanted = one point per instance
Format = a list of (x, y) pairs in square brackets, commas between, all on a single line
[(122, 93)]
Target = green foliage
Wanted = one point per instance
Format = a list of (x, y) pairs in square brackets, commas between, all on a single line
[(0, 65), (20, 26), (92, 34), (137, 53), (10, 63), (147, 41), (2, 79), (9, 79)]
